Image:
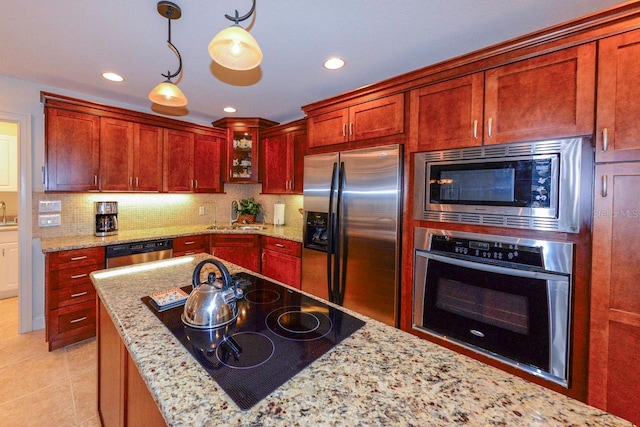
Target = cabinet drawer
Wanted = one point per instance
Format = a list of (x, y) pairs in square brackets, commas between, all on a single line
[(70, 277), (284, 246), (70, 295), (190, 252), (246, 240), (76, 258), (72, 323), (190, 243)]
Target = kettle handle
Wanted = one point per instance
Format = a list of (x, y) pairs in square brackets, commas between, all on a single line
[(226, 277)]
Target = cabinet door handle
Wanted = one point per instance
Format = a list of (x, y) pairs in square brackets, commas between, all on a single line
[(130, 181), (279, 245), (230, 172), (604, 186), (137, 182), (605, 139), (190, 253), (344, 129), (79, 319), (78, 258), (351, 128), (490, 125), (95, 180), (79, 276), (196, 183), (191, 242), (475, 129), (262, 258), (79, 294)]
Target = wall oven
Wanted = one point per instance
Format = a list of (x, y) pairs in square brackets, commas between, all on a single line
[(504, 297), (532, 185)]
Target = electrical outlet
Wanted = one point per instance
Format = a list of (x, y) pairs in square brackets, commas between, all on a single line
[(49, 220)]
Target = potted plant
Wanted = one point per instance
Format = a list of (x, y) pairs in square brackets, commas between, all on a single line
[(247, 210)]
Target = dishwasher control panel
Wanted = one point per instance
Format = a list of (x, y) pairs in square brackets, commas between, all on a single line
[(133, 253)]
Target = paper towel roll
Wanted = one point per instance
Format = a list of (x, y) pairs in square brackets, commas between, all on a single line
[(278, 214)]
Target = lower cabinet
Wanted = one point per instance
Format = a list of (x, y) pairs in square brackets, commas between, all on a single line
[(69, 295), (614, 377), (281, 260), (9, 260), (240, 249), (123, 397), (190, 245)]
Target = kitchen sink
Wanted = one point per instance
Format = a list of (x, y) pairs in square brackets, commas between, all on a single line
[(237, 227)]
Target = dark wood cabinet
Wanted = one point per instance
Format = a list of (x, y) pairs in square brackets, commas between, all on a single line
[(448, 114), (123, 396), (281, 260), (207, 164), (190, 245), (70, 296), (243, 154), (240, 249), (130, 156), (72, 150), (366, 120), (548, 96), (614, 377), (282, 158), (178, 161), (617, 124)]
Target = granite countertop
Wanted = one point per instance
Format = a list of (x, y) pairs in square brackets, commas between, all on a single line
[(55, 244), (378, 376)]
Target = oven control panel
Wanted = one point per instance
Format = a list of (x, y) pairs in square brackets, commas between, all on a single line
[(489, 250)]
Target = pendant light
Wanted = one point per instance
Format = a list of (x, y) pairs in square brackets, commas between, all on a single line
[(234, 47), (167, 93)]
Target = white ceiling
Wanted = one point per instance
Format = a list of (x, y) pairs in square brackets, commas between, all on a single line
[(67, 44)]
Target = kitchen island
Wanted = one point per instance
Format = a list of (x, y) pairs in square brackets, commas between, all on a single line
[(377, 376)]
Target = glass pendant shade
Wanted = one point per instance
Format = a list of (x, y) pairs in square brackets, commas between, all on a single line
[(168, 94), (236, 49)]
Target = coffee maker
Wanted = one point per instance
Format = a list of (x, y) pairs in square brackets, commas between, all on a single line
[(106, 218)]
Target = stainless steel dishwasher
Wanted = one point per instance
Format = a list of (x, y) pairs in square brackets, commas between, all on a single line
[(136, 253)]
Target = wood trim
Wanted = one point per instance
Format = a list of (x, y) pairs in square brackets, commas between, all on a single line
[(589, 28)]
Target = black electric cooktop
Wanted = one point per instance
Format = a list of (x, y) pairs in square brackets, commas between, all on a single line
[(277, 334)]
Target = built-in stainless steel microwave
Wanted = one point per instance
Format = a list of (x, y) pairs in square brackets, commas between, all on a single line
[(534, 185)]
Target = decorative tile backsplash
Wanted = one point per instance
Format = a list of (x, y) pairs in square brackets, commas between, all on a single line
[(138, 211)]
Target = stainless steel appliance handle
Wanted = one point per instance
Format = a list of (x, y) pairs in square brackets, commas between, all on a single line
[(479, 266), (340, 260), (330, 231)]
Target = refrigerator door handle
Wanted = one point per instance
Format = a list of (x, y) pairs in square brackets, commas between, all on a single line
[(330, 232), (340, 273)]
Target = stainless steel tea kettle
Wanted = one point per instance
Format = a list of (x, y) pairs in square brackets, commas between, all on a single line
[(211, 305)]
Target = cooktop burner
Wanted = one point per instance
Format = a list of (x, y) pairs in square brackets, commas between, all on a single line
[(277, 334)]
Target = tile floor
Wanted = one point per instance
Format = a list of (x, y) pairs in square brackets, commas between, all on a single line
[(42, 388)]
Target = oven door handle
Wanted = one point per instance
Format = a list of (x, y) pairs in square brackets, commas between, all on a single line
[(495, 268)]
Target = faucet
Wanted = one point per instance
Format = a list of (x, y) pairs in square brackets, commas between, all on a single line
[(3, 205), (233, 216)]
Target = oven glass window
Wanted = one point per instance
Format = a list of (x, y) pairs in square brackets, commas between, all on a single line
[(501, 309)]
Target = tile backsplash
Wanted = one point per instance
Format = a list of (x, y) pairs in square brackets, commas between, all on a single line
[(153, 210)]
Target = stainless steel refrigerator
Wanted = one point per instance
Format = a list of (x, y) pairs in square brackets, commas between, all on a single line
[(352, 223)]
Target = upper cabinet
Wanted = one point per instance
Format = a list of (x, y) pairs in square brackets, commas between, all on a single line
[(448, 114), (94, 147), (549, 96), (618, 109), (243, 136), (72, 150), (282, 158), (130, 156), (366, 120)]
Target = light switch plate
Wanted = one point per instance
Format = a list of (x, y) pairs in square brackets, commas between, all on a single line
[(49, 206), (52, 220)]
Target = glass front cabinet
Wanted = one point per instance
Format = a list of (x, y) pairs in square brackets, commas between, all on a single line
[(242, 147)]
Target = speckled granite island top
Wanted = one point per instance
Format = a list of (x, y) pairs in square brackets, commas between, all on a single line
[(378, 376), (55, 244)]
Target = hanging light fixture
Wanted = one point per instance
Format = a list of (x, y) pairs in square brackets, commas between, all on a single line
[(167, 93), (234, 47)]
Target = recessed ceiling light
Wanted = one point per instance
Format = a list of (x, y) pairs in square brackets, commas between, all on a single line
[(333, 63), (113, 77), (229, 110)]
